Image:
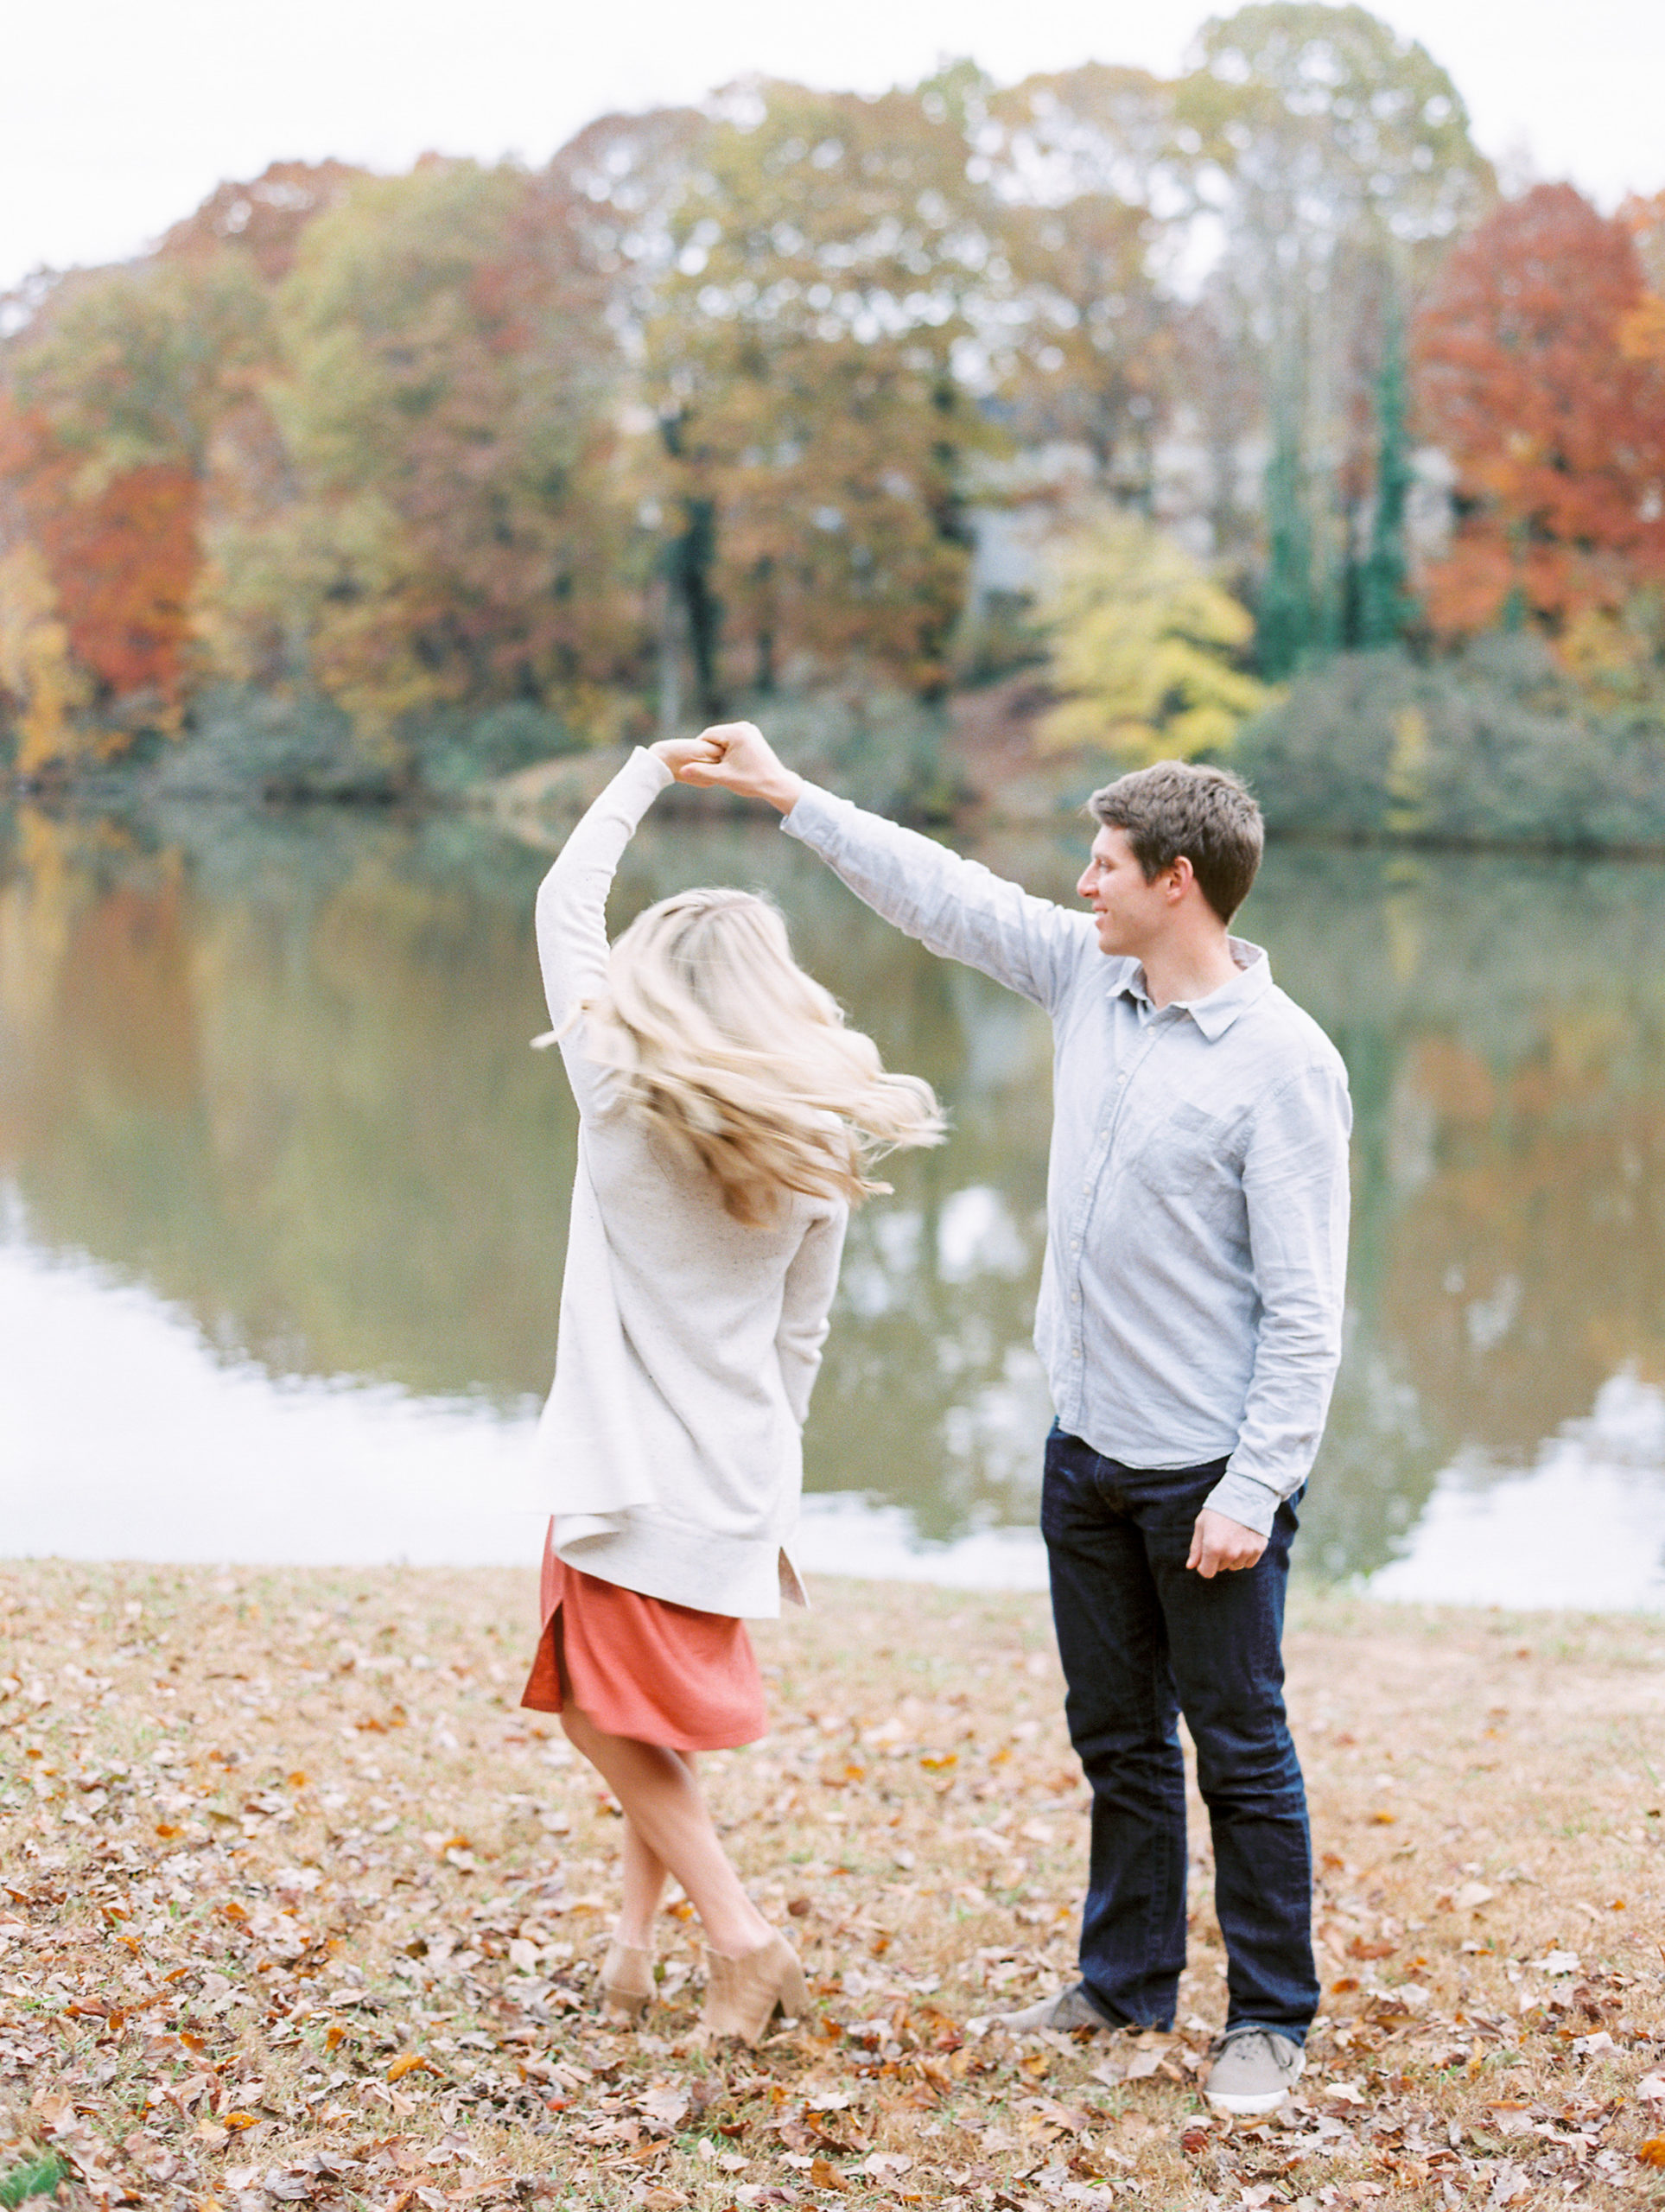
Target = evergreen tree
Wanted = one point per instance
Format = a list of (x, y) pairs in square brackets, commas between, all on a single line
[(1284, 627), (1383, 603)]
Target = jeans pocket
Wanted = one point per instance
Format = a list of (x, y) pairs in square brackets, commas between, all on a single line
[(1063, 1483)]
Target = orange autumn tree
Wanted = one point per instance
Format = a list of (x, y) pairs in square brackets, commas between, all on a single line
[(1554, 424), (801, 354), (113, 389), (126, 396)]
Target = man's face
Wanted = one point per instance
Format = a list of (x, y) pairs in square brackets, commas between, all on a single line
[(1128, 911)]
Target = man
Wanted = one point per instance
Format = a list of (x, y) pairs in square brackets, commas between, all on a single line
[(1190, 1320)]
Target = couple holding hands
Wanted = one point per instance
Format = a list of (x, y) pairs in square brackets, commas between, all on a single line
[(1190, 1323)]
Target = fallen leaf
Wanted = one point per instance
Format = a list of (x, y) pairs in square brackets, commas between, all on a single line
[(1358, 1949), (666, 2103), (824, 2175), (885, 2166), (1652, 2152), (1471, 1897), (1555, 1962), (408, 2062)]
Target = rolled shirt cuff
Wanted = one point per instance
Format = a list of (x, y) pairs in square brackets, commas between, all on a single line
[(1241, 1498), (813, 810)]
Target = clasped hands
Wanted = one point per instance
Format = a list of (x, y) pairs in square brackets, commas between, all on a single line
[(732, 757)]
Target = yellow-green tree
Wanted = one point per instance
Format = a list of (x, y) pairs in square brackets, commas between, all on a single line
[(1145, 647), (40, 682)]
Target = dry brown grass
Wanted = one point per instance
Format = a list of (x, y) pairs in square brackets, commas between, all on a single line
[(299, 1907)]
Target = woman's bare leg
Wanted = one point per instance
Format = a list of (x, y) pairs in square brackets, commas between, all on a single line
[(665, 1807), (644, 1878)]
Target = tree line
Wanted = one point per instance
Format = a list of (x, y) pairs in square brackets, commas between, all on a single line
[(709, 405)]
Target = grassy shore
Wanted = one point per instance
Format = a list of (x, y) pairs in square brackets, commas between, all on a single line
[(298, 1907)]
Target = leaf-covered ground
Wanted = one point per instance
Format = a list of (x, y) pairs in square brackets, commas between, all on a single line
[(297, 1907)]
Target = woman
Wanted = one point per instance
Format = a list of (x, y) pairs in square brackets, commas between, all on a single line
[(726, 1119)]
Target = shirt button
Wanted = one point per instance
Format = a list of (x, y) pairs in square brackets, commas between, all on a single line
[(1075, 1298)]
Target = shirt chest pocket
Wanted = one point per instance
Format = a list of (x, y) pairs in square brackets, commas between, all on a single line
[(1191, 1158)]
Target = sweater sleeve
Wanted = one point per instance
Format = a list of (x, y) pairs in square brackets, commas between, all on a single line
[(572, 900), (810, 1281)]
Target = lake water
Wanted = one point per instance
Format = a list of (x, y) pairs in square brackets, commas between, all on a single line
[(282, 1195)]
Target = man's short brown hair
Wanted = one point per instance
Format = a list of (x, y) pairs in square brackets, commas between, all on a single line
[(1176, 809)]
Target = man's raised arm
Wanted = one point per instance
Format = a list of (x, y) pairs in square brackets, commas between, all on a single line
[(955, 907)]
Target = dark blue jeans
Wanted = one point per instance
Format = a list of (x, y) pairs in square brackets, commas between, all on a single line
[(1144, 1639)]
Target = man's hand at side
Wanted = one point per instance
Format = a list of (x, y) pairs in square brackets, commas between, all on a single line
[(1218, 1545), (746, 763)]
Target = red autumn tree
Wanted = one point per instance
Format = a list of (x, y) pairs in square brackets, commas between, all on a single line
[(1554, 426), (116, 386), (125, 560)]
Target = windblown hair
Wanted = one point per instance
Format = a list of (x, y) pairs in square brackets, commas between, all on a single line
[(742, 1063)]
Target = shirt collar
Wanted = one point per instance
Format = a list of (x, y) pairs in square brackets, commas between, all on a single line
[(1215, 1013)]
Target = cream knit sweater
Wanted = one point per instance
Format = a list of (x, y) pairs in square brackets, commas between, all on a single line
[(689, 1344)]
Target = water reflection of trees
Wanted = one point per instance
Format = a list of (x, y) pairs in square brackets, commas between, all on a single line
[(1503, 1023), (277, 1068)]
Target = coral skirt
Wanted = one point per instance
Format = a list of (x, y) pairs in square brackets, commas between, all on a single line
[(641, 1667)]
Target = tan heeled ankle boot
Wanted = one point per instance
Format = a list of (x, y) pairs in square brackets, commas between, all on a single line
[(743, 1995), (626, 1981)]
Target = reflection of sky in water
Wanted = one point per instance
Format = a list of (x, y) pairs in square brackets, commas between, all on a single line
[(127, 1437), (1584, 1528)]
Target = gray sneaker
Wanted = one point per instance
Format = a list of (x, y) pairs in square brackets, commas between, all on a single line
[(1254, 2070), (1070, 2009)]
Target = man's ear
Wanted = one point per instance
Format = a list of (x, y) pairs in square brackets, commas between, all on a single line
[(1181, 875)]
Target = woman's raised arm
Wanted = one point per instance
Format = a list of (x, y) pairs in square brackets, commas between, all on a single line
[(572, 899)]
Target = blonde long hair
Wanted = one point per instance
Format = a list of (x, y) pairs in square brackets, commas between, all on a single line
[(742, 1063)]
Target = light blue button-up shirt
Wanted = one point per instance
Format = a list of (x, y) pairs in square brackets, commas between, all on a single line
[(1190, 1299)]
